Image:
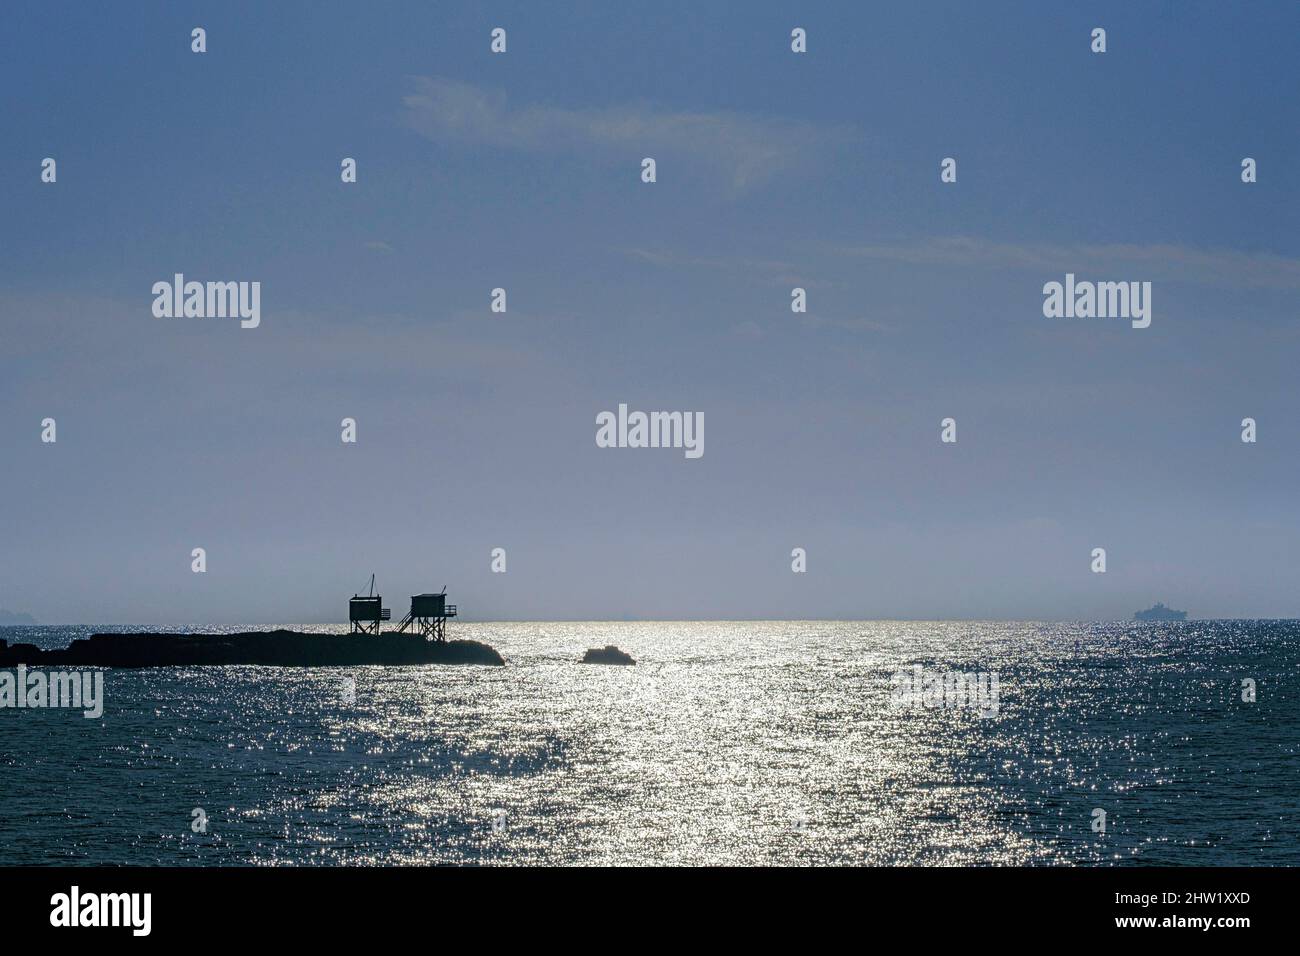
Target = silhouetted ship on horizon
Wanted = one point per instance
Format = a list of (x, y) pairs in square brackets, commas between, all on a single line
[(1160, 613)]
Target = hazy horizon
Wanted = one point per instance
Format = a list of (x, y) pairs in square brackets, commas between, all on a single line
[(311, 622), (776, 170)]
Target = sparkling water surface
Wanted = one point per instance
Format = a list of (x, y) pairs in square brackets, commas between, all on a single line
[(729, 742)]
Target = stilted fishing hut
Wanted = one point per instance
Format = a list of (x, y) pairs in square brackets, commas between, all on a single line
[(367, 613), (428, 616)]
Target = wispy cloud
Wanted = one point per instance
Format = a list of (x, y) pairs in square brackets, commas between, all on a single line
[(745, 148), (852, 325), (769, 270), (775, 272), (766, 271), (113, 348), (1223, 267)]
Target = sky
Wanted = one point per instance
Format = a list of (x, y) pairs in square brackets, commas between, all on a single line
[(774, 170)]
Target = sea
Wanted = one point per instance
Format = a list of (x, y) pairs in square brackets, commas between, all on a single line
[(747, 742)]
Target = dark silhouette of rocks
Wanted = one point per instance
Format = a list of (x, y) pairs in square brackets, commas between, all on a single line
[(274, 649), (609, 654)]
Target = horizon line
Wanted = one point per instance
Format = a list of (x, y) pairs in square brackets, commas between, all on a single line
[(701, 620)]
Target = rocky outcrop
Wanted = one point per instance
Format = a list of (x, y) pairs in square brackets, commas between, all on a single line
[(609, 654), (273, 649)]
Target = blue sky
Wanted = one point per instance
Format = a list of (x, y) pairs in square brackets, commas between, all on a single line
[(476, 430)]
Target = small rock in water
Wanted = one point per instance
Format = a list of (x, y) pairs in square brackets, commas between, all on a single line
[(609, 654)]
